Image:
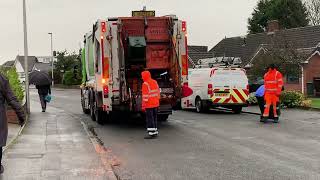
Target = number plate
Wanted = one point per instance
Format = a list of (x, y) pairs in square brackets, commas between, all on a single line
[(143, 13), (221, 94)]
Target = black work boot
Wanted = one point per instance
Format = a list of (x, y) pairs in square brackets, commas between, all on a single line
[(1, 169), (261, 118), (150, 137), (264, 119), (276, 120)]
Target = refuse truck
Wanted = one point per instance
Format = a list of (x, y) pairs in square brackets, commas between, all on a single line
[(115, 53)]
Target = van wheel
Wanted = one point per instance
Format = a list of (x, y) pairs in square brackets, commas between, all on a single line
[(237, 109), (199, 105)]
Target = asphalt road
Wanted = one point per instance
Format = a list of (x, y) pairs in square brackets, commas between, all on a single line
[(218, 145)]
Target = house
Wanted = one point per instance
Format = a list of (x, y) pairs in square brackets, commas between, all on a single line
[(8, 64), (39, 66), (196, 53), (20, 65), (305, 40), (46, 59), (33, 65)]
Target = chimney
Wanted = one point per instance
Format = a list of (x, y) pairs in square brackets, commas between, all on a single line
[(273, 26)]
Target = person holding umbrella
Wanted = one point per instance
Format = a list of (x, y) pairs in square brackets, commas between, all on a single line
[(42, 81), (43, 92), (7, 96)]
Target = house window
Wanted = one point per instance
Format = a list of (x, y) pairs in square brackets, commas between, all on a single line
[(293, 79)]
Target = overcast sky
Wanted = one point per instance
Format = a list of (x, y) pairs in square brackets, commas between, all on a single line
[(208, 21)]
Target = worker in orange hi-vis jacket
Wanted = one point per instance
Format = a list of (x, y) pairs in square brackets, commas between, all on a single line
[(150, 103), (273, 86)]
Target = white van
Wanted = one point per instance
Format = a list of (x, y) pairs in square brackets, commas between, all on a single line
[(218, 87)]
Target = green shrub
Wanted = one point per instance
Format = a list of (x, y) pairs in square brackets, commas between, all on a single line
[(70, 79), (292, 99), (14, 81), (252, 99)]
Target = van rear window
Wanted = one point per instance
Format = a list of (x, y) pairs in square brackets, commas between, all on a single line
[(230, 78)]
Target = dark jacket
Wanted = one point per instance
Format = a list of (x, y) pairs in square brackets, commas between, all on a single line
[(6, 95), (44, 90)]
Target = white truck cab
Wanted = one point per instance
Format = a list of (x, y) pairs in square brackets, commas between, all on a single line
[(218, 87)]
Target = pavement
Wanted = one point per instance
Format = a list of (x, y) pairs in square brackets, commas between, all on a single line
[(191, 146), (13, 131), (53, 145)]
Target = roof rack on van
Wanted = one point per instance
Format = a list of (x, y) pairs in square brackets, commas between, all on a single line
[(218, 66)]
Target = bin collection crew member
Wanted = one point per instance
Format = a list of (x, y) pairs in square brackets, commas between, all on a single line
[(150, 103), (273, 86)]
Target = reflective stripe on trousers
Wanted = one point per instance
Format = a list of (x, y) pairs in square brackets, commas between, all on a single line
[(152, 121)]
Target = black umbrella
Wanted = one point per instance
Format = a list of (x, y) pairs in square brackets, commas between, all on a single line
[(39, 78)]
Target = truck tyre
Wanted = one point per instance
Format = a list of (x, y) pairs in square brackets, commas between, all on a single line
[(163, 118), (91, 104), (86, 111), (100, 116), (237, 109)]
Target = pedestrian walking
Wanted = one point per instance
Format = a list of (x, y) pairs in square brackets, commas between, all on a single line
[(273, 86), (150, 103), (7, 96), (43, 92), (260, 97)]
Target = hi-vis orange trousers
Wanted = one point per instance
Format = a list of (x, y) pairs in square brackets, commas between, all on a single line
[(271, 100)]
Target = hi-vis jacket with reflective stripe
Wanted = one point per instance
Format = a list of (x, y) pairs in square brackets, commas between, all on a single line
[(150, 91), (273, 82)]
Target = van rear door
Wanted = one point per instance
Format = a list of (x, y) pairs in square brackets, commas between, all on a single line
[(229, 79), (229, 86)]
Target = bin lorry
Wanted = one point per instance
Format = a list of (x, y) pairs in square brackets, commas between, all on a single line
[(115, 53)]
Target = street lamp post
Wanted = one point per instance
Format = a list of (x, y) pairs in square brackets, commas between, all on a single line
[(51, 60), (26, 66)]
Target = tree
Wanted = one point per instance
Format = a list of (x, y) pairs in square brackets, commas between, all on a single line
[(313, 11), (66, 62), (282, 52), (14, 81), (289, 13)]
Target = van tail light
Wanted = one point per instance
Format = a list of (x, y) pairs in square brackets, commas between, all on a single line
[(210, 89), (248, 88), (105, 91)]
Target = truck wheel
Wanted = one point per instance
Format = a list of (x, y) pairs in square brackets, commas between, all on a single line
[(237, 109), (100, 117), (86, 111), (92, 108), (163, 118)]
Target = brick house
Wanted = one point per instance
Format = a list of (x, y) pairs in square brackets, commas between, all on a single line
[(305, 40), (196, 53)]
